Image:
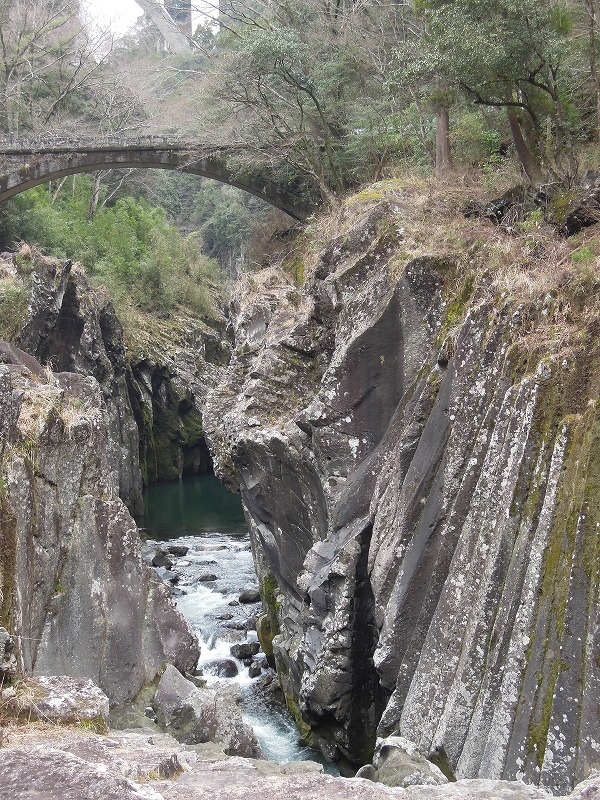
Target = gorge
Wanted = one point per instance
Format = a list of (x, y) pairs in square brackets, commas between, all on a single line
[(414, 433)]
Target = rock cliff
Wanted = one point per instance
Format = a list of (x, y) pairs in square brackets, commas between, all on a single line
[(153, 394), (75, 592), (418, 455)]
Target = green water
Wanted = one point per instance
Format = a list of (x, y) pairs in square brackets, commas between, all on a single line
[(193, 506)]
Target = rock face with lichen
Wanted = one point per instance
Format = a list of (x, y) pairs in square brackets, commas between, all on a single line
[(153, 395), (72, 329), (420, 466), (78, 597)]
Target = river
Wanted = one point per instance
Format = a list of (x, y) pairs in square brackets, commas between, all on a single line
[(198, 513)]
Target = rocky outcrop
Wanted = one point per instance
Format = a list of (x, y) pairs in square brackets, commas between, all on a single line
[(133, 766), (153, 394), (71, 328), (81, 602), (172, 367), (419, 464), (57, 699)]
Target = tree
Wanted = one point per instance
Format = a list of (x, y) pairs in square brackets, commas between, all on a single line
[(586, 15), (298, 85), (512, 54), (47, 58)]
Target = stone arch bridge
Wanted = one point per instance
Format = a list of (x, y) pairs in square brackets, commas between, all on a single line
[(27, 163)]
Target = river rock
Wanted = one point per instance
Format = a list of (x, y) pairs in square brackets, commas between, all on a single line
[(249, 596), (207, 577), (221, 667), (161, 559), (244, 650), (236, 625), (194, 715), (178, 550), (254, 669), (167, 575)]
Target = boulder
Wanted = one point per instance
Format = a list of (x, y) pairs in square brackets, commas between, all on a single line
[(221, 667), (254, 669), (161, 559), (398, 762), (167, 574), (250, 596), (207, 577), (244, 650), (178, 550), (236, 625), (193, 715), (61, 699)]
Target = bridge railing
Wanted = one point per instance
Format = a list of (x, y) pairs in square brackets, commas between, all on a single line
[(16, 144)]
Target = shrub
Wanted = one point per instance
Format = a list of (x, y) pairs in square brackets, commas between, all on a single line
[(130, 247)]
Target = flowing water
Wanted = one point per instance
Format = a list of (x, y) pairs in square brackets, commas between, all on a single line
[(200, 514)]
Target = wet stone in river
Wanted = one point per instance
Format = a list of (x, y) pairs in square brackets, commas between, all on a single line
[(245, 650), (249, 596)]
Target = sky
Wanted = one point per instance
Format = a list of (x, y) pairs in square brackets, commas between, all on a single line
[(120, 15)]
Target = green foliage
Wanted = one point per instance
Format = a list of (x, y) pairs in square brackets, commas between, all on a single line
[(583, 255), (95, 724), (13, 308), (305, 95), (511, 54), (130, 246), (476, 138), (224, 218)]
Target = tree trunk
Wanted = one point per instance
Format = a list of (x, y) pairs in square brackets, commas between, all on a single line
[(593, 59), (443, 161), (95, 194), (528, 160)]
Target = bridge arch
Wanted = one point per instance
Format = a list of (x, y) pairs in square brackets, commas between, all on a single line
[(25, 164)]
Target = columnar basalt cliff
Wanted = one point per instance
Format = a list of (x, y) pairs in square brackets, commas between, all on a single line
[(419, 462)]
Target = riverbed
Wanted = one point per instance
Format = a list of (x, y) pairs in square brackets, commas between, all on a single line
[(203, 526)]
